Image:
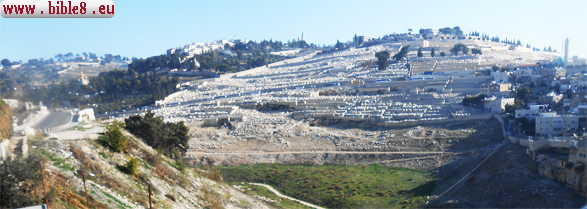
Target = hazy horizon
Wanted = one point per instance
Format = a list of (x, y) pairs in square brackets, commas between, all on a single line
[(148, 28)]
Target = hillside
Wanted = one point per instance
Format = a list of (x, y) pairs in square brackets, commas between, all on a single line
[(107, 181), (5, 120), (509, 178)]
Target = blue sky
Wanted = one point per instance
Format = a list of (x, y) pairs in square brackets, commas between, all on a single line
[(148, 28)]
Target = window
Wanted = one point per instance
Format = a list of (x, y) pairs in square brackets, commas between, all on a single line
[(557, 129)]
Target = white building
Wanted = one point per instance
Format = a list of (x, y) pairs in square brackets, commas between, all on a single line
[(86, 115), (530, 114), (501, 77), (552, 124)]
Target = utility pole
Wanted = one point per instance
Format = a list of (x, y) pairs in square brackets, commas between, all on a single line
[(43, 180), (149, 185), (85, 188)]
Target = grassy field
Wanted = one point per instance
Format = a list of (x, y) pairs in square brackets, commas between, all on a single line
[(273, 200), (371, 186)]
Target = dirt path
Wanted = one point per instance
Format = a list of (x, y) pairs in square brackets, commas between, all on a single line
[(308, 152), (287, 197), (418, 158)]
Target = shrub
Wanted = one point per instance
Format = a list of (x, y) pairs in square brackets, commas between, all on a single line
[(132, 166), (179, 165), (580, 168), (569, 165)]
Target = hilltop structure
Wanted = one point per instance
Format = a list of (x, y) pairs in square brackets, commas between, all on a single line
[(83, 79)]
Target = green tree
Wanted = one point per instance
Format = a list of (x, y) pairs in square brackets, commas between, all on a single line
[(420, 54), (476, 51), (116, 139), (402, 53), (69, 56), (465, 50), (459, 47), (455, 50), (158, 134), (59, 57), (457, 31), (495, 68), (20, 180), (524, 94), (6, 63), (382, 59), (432, 53), (442, 54), (512, 108), (474, 100)]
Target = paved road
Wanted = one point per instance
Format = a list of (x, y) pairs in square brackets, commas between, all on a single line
[(287, 197), (54, 119)]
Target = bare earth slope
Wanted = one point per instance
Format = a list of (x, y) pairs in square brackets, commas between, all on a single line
[(508, 179)]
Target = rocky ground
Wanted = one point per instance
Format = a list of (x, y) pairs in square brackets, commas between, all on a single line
[(508, 179), (420, 147)]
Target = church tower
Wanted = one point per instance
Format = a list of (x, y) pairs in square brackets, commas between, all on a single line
[(83, 79)]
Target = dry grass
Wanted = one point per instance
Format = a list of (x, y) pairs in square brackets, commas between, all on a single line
[(87, 164), (39, 134), (211, 198), (92, 166), (210, 172)]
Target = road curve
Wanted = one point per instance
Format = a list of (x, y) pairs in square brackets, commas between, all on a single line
[(53, 119), (287, 197)]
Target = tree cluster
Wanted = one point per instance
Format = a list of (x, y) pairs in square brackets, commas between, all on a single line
[(168, 137), (474, 101), (248, 55), (524, 94), (20, 182), (108, 90), (459, 48), (456, 31)]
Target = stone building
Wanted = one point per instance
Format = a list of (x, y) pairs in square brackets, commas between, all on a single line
[(497, 105), (551, 123)]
